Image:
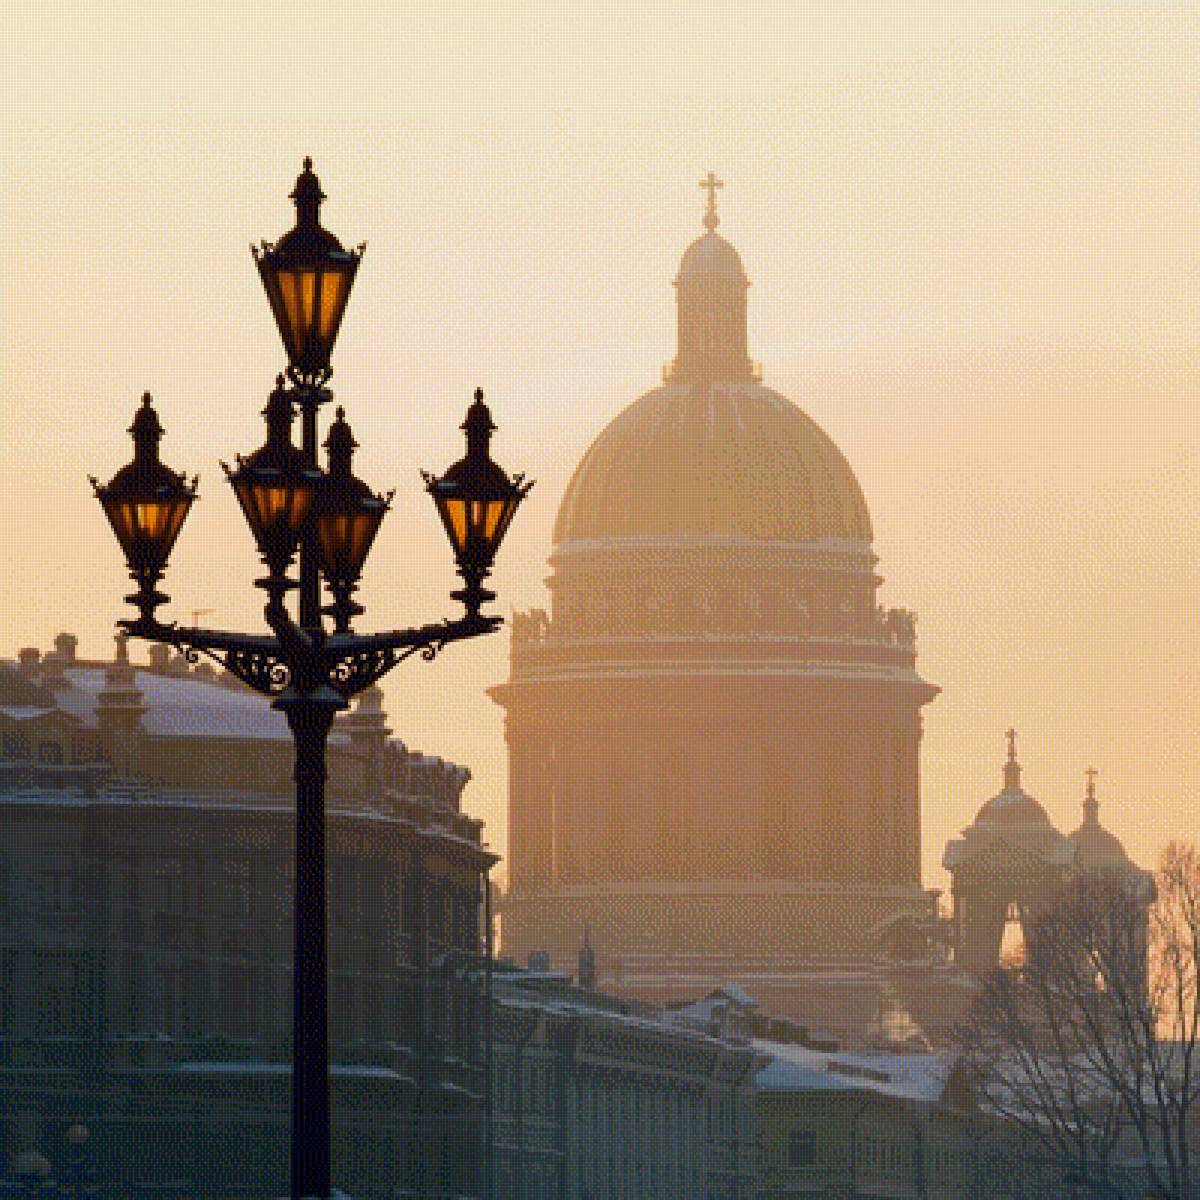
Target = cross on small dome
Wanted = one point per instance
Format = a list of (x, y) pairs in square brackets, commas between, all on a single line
[(710, 183)]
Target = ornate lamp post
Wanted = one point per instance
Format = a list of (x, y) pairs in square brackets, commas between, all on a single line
[(323, 522)]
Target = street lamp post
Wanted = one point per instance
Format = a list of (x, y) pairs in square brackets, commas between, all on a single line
[(324, 521)]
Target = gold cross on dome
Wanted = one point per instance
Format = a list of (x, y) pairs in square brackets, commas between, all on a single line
[(1091, 774), (1012, 745), (710, 184)]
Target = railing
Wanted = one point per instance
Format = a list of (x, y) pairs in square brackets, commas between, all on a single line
[(895, 627)]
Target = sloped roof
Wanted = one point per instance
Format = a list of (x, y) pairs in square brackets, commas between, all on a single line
[(919, 1077)]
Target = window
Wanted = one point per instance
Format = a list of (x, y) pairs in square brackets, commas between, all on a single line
[(235, 887), (165, 888), (802, 1147), (234, 985), (164, 998), (58, 884), (50, 753), (55, 996)]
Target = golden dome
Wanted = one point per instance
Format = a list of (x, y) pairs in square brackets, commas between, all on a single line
[(732, 459)]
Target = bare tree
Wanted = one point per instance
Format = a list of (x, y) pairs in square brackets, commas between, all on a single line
[(1086, 1050)]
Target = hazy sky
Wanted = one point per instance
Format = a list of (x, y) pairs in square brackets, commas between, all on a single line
[(972, 234)]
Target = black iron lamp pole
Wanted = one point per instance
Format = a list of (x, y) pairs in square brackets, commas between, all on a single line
[(323, 521)]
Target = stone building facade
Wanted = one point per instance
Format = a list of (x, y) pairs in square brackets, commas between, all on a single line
[(846, 1126), (600, 1098), (146, 824), (714, 731)]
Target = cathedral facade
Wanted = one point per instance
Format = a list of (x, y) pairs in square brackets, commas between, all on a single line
[(714, 731)]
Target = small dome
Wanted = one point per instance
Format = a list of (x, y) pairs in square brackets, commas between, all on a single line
[(1012, 820), (1012, 808), (1095, 848), (711, 255), (724, 459)]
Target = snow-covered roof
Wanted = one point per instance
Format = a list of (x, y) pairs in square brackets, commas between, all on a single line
[(182, 706), (920, 1077), (24, 712), (706, 1008), (739, 995), (574, 1003)]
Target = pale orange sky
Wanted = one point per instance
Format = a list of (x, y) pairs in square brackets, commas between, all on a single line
[(972, 234)]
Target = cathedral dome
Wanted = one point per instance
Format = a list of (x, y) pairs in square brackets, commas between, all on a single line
[(704, 459), (713, 453)]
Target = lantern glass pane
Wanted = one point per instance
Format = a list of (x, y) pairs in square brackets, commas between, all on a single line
[(504, 515), (362, 530), (274, 508), (334, 533), (333, 289), (298, 290), (454, 513), (151, 519), (120, 517), (308, 297), (290, 294), (495, 512), (345, 539), (147, 529), (274, 504)]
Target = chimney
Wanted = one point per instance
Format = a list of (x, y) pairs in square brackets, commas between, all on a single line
[(367, 729), (64, 646), (28, 659), (160, 655), (119, 710)]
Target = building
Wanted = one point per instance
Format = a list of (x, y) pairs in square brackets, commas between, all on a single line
[(1011, 865), (146, 827), (601, 1098), (714, 732), (897, 1126)]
